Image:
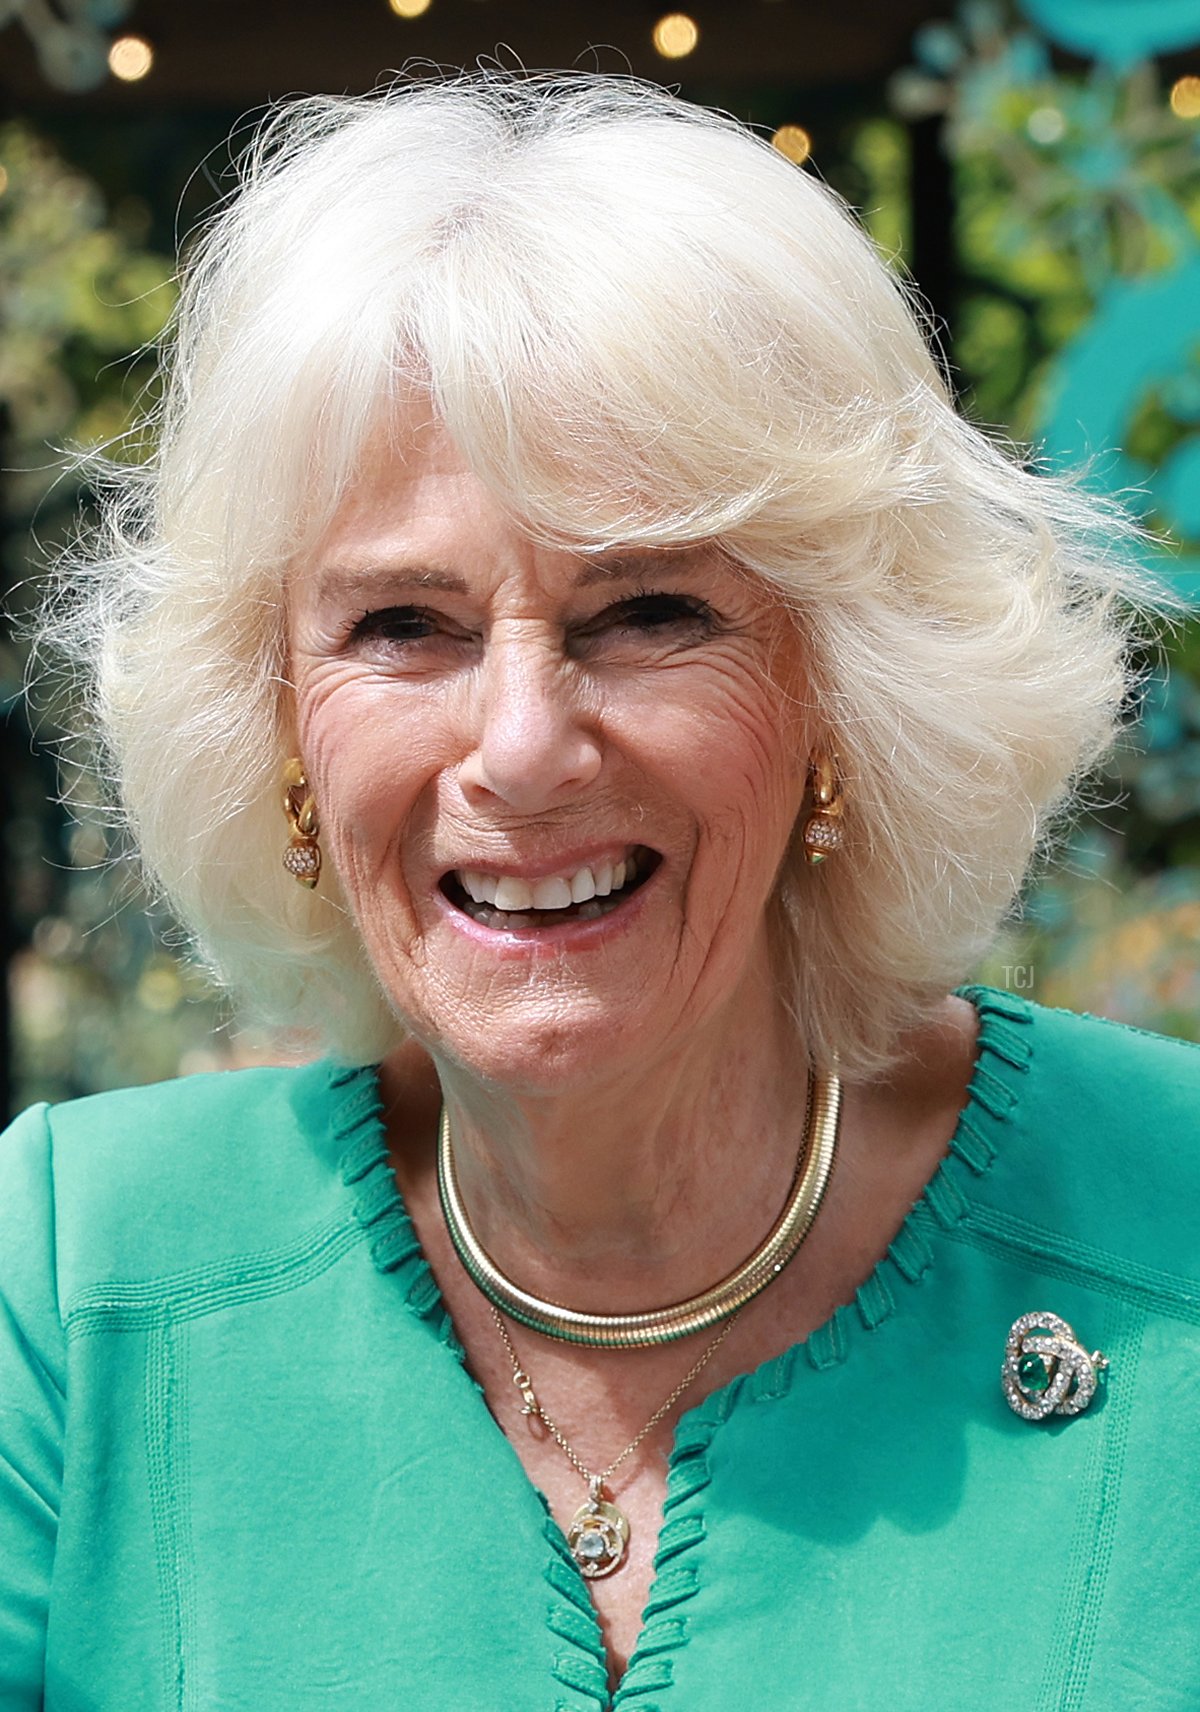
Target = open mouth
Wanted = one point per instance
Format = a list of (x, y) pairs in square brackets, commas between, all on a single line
[(584, 894)]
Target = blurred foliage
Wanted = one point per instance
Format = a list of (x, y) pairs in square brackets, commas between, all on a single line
[(1073, 185), (879, 159), (78, 293), (98, 999)]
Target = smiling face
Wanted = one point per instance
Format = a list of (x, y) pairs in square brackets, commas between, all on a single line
[(556, 788)]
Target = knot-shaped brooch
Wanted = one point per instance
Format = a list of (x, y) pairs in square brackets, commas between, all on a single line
[(1046, 1370)]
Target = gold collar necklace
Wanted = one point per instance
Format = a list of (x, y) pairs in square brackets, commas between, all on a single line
[(680, 1319)]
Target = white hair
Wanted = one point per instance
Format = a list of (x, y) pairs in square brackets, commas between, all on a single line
[(641, 325)]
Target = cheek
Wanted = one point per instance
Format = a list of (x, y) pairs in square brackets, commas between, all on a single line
[(748, 769), (737, 752), (368, 763)]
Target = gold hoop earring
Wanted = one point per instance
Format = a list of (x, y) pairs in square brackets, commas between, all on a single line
[(302, 854), (823, 830)]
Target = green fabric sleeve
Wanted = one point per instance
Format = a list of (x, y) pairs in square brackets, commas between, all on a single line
[(32, 1406)]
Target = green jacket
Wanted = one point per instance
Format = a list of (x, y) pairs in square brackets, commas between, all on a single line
[(243, 1467)]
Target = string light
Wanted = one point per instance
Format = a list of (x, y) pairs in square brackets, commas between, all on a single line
[(130, 58), (675, 35), (409, 8), (1185, 97), (794, 142)]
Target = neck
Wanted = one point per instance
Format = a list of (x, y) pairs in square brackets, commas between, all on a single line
[(650, 1184)]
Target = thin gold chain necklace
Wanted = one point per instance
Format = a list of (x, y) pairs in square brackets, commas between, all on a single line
[(679, 1319), (598, 1534)]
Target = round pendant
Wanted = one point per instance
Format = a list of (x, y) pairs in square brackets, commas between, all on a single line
[(598, 1536)]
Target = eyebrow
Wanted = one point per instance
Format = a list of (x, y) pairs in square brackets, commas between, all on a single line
[(366, 579), (631, 567)]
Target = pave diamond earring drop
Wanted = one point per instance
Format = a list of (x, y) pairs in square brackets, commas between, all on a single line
[(823, 831), (302, 853)]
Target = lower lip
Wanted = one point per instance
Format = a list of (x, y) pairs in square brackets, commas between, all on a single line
[(571, 935)]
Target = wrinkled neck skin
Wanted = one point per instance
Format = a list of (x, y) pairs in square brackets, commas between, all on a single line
[(649, 1182)]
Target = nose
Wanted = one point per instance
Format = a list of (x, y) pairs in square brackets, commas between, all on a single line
[(535, 745)]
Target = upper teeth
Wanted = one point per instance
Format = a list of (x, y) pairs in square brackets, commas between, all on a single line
[(560, 891)]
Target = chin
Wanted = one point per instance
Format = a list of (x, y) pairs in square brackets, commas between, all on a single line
[(546, 1049)]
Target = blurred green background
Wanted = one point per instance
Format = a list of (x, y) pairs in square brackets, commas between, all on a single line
[(1035, 167)]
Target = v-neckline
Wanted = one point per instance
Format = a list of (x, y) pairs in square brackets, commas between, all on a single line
[(1002, 1055)]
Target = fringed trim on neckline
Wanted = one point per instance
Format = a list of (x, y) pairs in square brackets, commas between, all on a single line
[(580, 1664), (366, 1169), (666, 1625), (571, 1617), (1004, 1051)]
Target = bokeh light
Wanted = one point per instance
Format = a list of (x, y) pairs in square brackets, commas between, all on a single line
[(409, 8), (794, 142), (130, 58), (1046, 125), (676, 35), (3, 179), (1185, 97)]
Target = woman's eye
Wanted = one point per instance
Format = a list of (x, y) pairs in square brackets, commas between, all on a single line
[(650, 613), (395, 624)]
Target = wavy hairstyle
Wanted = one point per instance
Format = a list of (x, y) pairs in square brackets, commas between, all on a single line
[(641, 325)]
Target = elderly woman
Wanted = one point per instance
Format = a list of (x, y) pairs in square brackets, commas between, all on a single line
[(667, 1290)]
